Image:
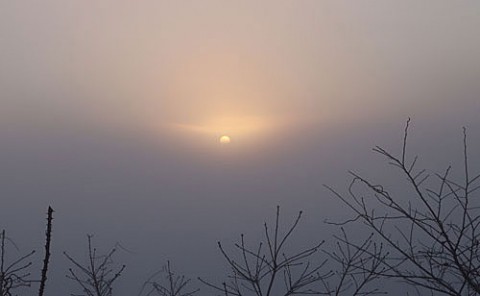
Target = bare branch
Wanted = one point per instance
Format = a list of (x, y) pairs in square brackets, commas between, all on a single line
[(430, 239), (97, 276)]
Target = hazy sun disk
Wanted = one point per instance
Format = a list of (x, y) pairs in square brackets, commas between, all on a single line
[(225, 140), (224, 128)]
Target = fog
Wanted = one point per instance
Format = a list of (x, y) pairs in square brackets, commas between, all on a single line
[(110, 112)]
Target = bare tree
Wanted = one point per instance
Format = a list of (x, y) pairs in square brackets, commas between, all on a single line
[(357, 270), (428, 235), (267, 270), (14, 274), (97, 276), (176, 285)]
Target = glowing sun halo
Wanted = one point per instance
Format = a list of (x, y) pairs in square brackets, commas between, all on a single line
[(224, 140)]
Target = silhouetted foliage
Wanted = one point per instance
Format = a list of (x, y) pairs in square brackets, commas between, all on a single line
[(429, 236), (97, 276), (170, 285), (13, 274)]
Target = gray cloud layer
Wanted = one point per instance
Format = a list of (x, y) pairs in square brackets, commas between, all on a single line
[(89, 91)]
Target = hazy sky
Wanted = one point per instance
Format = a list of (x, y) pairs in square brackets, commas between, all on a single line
[(110, 111)]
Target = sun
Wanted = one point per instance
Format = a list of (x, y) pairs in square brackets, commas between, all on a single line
[(224, 140)]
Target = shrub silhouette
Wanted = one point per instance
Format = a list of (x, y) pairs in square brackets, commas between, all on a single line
[(13, 274), (263, 269), (175, 285), (429, 237), (97, 276), (267, 269)]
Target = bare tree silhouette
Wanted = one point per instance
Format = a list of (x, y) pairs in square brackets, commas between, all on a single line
[(176, 285), (357, 270), (14, 274), (267, 270), (97, 276), (427, 237)]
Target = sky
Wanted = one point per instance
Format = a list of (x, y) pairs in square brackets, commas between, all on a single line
[(111, 112)]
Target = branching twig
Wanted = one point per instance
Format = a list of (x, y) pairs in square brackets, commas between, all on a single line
[(13, 275), (97, 276), (430, 239), (259, 271), (175, 285)]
